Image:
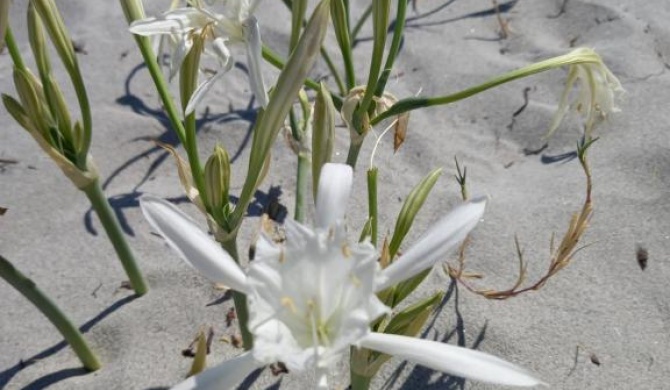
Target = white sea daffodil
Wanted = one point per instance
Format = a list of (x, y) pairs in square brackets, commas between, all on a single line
[(236, 25), (599, 89), (314, 297)]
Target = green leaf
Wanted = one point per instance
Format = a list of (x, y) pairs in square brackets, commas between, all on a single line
[(410, 321), (410, 208), (403, 289)]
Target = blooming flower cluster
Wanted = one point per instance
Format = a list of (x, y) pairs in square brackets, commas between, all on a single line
[(314, 297), (235, 25)]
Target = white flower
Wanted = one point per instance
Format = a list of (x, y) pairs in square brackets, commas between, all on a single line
[(314, 297), (598, 90), (237, 24)]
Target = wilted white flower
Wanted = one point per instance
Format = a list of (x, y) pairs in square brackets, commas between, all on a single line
[(598, 91), (314, 297), (235, 25)]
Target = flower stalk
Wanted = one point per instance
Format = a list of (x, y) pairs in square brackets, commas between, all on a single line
[(44, 304), (133, 10), (373, 211), (111, 225), (239, 298), (583, 56)]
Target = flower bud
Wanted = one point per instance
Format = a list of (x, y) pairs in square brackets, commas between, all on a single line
[(217, 180), (56, 28), (323, 133)]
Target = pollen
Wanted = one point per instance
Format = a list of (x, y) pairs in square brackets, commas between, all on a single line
[(346, 251), (288, 303), (355, 280)]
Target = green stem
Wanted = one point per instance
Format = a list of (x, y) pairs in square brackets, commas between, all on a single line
[(29, 289), (380, 19), (358, 381), (395, 47), (14, 51), (354, 150), (360, 23), (410, 104), (298, 9), (333, 71), (239, 298), (133, 11), (99, 202), (301, 186), (372, 204), (339, 14)]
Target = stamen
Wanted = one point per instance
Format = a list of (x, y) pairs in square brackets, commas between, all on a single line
[(315, 337), (289, 304), (355, 280), (346, 251)]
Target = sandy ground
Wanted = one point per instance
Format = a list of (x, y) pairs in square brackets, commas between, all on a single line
[(617, 314)]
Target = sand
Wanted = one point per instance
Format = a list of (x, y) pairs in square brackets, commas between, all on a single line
[(602, 323)]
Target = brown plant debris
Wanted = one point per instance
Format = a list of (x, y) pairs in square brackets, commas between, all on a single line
[(560, 257)]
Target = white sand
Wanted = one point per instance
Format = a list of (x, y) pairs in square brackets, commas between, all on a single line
[(603, 302)]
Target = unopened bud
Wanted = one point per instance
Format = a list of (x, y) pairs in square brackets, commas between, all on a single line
[(217, 179), (323, 136)]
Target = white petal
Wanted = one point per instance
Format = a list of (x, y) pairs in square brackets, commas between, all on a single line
[(226, 375), (439, 240), (192, 244), (201, 91), (178, 21), (457, 361), (252, 37), (333, 193), (221, 52)]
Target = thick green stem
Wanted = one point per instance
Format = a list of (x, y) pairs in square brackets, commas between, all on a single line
[(372, 204), (99, 202), (359, 382), (301, 186), (239, 298), (352, 156), (70, 332)]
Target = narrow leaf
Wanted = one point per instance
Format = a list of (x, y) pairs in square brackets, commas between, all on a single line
[(410, 208)]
